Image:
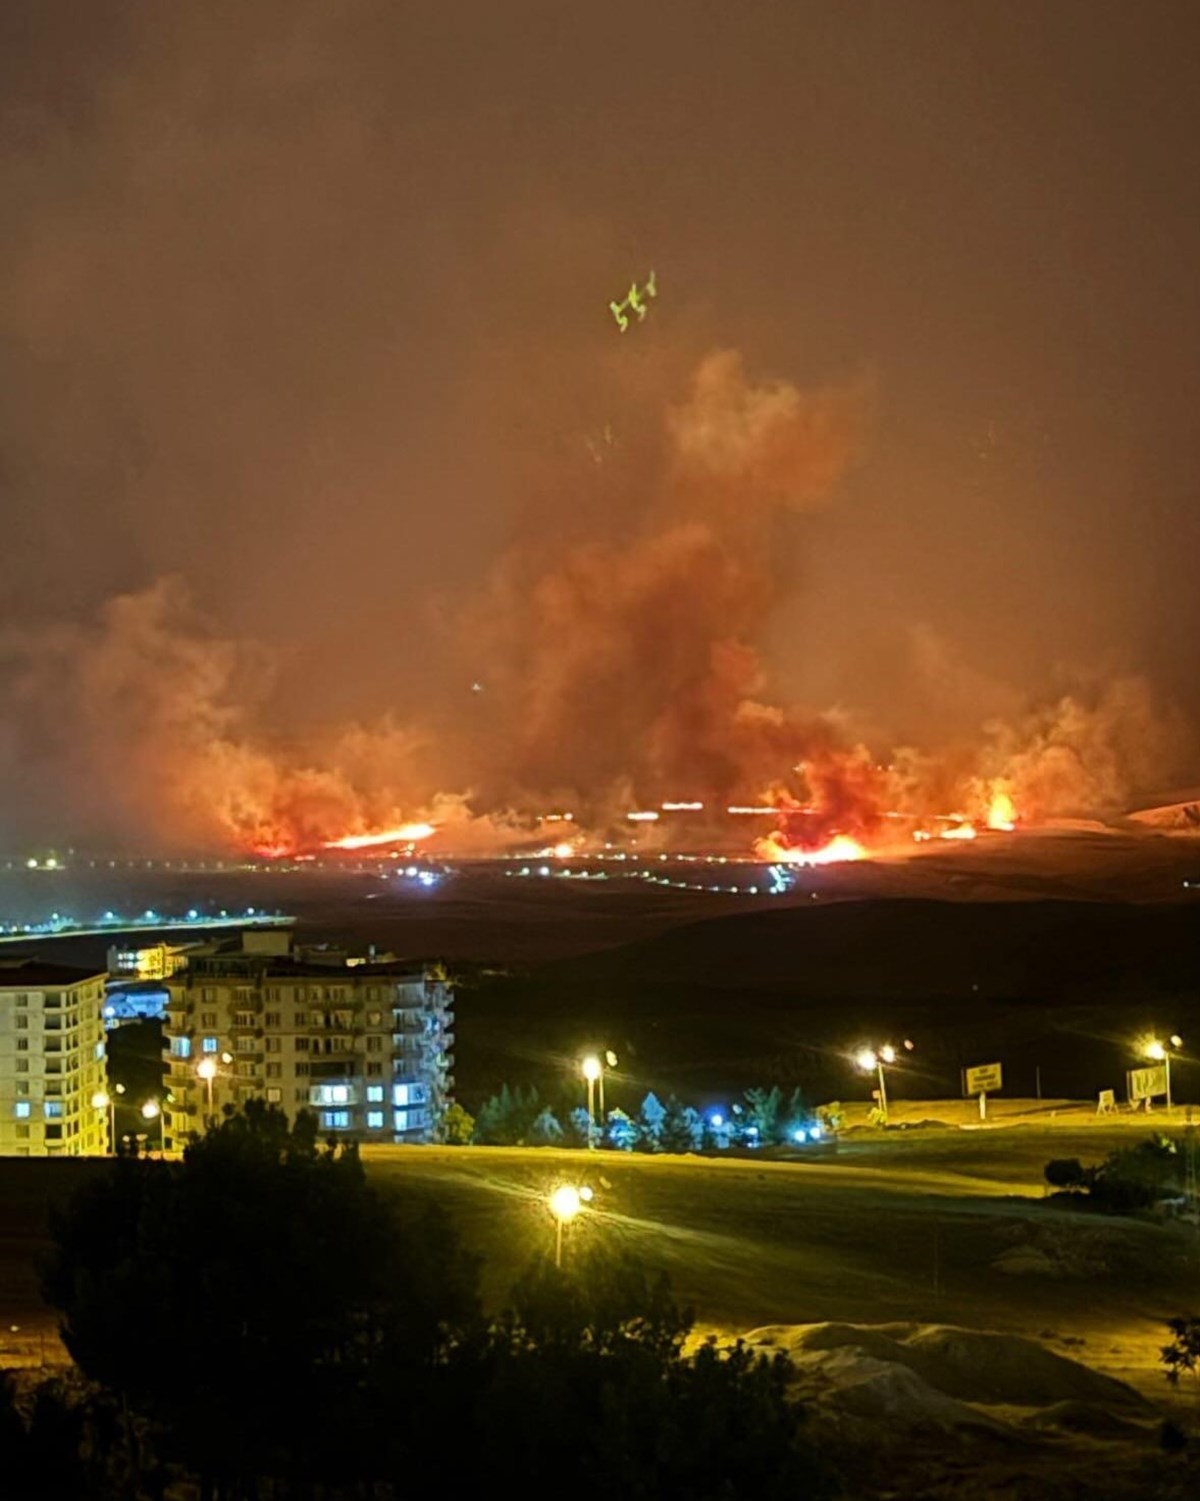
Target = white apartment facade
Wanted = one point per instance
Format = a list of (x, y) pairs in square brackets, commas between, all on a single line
[(51, 1060), (365, 1047)]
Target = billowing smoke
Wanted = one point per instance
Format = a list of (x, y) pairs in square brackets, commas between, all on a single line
[(608, 674)]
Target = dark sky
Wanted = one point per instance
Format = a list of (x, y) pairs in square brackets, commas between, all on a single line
[(307, 304)]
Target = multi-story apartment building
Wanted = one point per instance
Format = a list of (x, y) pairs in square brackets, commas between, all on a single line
[(365, 1046), (51, 1060)]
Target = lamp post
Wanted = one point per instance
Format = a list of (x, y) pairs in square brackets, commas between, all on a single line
[(206, 1069), (592, 1068), (102, 1100), (872, 1061), (1160, 1052), (151, 1109), (565, 1203)]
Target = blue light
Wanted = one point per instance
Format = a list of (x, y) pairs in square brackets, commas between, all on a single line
[(815, 1133), (716, 1120), (192, 914), (799, 1134)]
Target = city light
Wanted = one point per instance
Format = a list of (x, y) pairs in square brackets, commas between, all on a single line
[(565, 1203)]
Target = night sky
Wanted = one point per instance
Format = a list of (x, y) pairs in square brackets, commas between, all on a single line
[(306, 305)]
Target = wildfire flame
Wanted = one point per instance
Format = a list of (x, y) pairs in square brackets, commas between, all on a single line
[(840, 848), (407, 833), (1002, 813)]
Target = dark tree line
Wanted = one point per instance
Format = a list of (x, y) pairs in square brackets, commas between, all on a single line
[(260, 1318)]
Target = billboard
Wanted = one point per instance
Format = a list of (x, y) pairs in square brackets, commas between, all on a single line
[(984, 1079), (1145, 1083)]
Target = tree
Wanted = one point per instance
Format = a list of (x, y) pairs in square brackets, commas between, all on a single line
[(506, 1119), (294, 1288), (577, 1129), (763, 1117), (650, 1124), (545, 1130), (458, 1125), (682, 1128), (1067, 1173), (621, 1131), (586, 1376), (1183, 1353)]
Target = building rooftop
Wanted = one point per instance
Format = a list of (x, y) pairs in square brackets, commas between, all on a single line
[(27, 973), (287, 967)]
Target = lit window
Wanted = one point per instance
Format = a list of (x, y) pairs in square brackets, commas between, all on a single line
[(53, 1108), (400, 1119), (181, 1047), (21, 1109), (274, 1096), (335, 1120), (375, 1120), (208, 1045), (400, 1096), (374, 1094)]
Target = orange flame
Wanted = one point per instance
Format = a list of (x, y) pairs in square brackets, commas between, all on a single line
[(840, 848), (1002, 813), (408, 833)]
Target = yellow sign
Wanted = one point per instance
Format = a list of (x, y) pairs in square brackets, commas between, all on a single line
[(1145, 1083), (985, 1079)]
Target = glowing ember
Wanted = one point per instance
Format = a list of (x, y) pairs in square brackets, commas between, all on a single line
[(408, 833), (840, 848), (563, 851), (649, 816), (959, 831), (1001, 813)]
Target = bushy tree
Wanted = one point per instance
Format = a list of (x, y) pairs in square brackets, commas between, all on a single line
[(506, 1119), (762, 1115), (586, 1377), (577, 1128), (458, 1125), (1067, 1173), (682, 1128), (545, 1130), (650, 1124), (291, 1285), (621, 1131), (1183, 1353), (1135, 1177)]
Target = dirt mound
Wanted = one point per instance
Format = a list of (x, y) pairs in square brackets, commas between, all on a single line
[(942, 1364)]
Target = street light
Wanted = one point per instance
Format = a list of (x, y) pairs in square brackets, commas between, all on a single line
[(1160, 1052), (149, 1110), (101, 1100), (206, 1069), (872, 1061), (592, 1069), (565, 1203)]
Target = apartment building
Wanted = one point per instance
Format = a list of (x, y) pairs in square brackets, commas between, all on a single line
[(365, 1046), (51, 1060)]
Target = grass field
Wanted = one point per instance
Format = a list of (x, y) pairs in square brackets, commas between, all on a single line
[(874, 1228), (906, 1228)]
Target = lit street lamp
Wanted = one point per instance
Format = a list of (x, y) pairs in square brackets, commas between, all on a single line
[(565, 1203), (149, 1110), (1159, 1052), (206, 1069), (872, 1061), (101, 1100), (592, 1069)]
